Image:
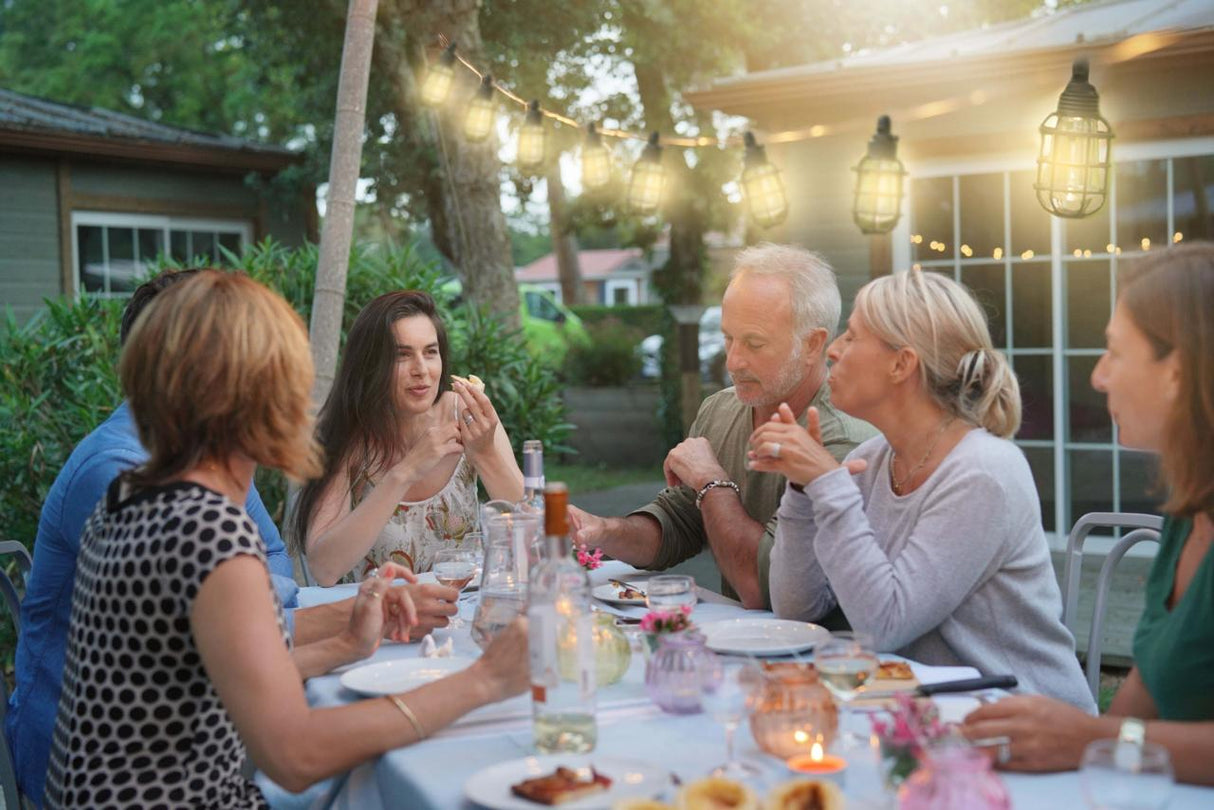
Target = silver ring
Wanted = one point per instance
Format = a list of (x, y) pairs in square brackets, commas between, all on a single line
[(469, 419), (775, 450), (1004, 754), (372, 574)]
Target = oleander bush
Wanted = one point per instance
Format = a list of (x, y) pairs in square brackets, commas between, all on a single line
[(609, 359)]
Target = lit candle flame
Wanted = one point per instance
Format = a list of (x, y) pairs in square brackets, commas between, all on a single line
[(815, 753)]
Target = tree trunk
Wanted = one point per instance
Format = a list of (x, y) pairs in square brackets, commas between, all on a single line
[(473, 184), (564, 241), (329, 298)]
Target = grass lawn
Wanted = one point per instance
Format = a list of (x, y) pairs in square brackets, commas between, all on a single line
[(589, 478)]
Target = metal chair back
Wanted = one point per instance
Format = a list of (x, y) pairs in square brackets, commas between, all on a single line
[(1096, 636), (1073, 564), (12, 603)]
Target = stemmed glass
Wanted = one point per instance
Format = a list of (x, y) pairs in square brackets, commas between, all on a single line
[(845, 664), (455, 567), (1139, 784), (670, 592), (727, 688)]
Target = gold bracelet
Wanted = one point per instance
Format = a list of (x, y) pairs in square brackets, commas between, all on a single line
[(408, 713)]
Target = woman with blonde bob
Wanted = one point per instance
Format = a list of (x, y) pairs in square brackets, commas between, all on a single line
[(929, 536), (178, 655), (1158, 376)]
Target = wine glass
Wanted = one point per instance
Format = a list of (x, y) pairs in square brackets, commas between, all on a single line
[(670, 592), (1113, 783), (474, 544), (727, 688), (455, 567), (845, 664)]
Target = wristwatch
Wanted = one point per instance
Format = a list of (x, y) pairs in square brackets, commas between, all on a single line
[(712, 485), (1127, 756)]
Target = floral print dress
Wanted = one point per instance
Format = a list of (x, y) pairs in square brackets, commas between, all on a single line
[(418, 529)]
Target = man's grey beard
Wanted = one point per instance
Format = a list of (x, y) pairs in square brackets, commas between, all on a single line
[(791, 375)]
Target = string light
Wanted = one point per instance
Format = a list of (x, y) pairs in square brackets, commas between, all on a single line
[(878, 201), (532, 140), (762, 186), (439, 78), (596, 161), (481, 113), (1073, 165), (648, 179)]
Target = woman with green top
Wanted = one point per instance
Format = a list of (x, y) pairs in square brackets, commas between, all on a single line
[(1158, 375)]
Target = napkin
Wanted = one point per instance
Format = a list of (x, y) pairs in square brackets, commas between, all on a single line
[(432, 650)]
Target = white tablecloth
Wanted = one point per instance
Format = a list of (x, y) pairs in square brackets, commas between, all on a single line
[(432, 774)]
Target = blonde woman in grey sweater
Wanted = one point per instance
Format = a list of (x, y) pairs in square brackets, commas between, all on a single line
[(929, 536)]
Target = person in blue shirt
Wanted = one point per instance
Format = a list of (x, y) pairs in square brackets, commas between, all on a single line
[(112, 448)]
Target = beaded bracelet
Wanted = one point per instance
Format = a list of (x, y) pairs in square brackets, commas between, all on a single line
[(712, 485)]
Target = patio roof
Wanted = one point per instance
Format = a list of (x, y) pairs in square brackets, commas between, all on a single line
[(31, 124), (1021, 53)]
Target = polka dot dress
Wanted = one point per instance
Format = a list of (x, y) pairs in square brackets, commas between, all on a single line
[(139, 723)]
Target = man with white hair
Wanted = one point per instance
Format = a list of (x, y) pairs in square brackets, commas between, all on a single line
[(780, 311)]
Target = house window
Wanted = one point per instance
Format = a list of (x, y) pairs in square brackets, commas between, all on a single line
[(621, 293), (113, 251), (1048, 286)]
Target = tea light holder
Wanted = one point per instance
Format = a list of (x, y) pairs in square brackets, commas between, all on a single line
[(819, 764)]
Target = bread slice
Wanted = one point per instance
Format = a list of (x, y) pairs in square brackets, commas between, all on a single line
[(471, 380), (805, 794), (715, 793), (560, 787)]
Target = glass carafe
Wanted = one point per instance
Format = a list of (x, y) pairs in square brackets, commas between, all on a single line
[(503, 591)]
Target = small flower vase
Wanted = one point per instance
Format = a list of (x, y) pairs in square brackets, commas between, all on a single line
[(673, 671), (612, 653), (898, 762), (954, 777)]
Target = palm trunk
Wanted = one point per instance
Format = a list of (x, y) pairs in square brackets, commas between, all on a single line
[(329, 298)]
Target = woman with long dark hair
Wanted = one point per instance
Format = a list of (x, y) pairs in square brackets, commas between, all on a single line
[(1158, 375), (404, 442)]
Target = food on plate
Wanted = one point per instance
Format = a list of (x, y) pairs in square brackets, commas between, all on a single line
[(805, 794), (641, 804), (715, 793), (894, 671), (625, 591), (564, 785), (472, 380)]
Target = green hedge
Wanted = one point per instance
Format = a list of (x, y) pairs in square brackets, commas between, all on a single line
[(609, 359), (647, 318)]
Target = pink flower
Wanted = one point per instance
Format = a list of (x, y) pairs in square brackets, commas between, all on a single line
[(589, 560), (667, 621)]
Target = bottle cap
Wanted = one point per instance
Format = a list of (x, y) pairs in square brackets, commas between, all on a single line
[(556, 509)]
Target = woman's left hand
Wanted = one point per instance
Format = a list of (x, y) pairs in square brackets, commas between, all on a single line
[(477, 418), (781, 446), (1033, 733)]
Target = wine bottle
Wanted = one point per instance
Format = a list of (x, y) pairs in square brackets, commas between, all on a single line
[(561, 623)]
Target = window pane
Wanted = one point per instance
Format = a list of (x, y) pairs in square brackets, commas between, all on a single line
[(1089, 416), (151, 244), (92, 258), (1041, 461), (230, 242), (1139, 482), (981, 206), (1087, 303), (1090, 233), (1193, 199), (1036, 375), (1091, 480), (932, 218), (124, 272), (179, 246), (1142, 204), (1030, 222), (202, 245), (1031, 302), (986, 282)]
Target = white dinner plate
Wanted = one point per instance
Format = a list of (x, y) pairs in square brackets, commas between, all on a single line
[(610, 593), (400, 675), (630, 778), (763, 636)]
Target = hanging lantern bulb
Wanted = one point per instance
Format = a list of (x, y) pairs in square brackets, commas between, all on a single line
[(596, 161), (532, 140), (878, 202), (437, 84), (1073, 166), (482, 112), (648, 179), (762, 186)]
